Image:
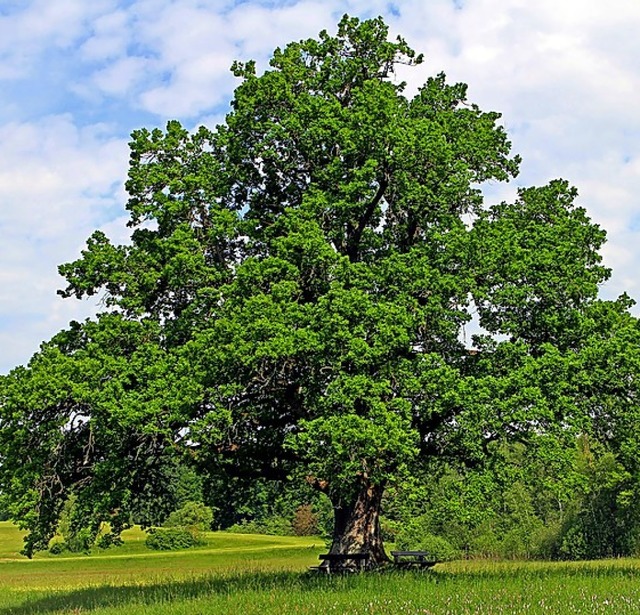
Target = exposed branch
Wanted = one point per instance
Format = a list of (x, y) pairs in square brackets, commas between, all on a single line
[(353, 243)]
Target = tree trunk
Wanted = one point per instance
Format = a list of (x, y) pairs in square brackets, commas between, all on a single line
[(357, 525)]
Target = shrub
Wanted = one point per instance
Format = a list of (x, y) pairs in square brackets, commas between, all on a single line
[(80, 541), (324, 509), (171, 539), (193, 515), (76, 538), (389, 529), (57, 548), (106, 541), (276, 526), (439, 548), (416, 536), (484, 540), (305, 521)]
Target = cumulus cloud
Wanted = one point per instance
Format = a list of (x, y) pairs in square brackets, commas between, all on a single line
[(58, 182), (83, 74), (40, 27)]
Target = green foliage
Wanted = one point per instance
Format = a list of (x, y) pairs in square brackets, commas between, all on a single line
[(81, 541), (183, 528), (109, 540), (4, 513), (603, 521), (539, 264), (57, 548), (171, 484), (323, 509), (524, 508), (286, 512), (77, 537), (415, 536), (290, 308), (194, 516), (172, 539), (305, 521)]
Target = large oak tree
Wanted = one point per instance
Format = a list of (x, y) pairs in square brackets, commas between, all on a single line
[(292, 300)]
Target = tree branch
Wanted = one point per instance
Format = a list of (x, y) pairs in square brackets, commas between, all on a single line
[(353, 244)]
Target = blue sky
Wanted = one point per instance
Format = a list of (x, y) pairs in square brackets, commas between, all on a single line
[(77, 77)]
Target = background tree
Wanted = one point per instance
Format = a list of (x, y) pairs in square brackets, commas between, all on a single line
[(291, 302)]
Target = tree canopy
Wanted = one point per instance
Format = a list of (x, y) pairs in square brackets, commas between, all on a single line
[(292, 299)]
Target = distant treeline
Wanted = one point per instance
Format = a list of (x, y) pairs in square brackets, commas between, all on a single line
[(521, 506)]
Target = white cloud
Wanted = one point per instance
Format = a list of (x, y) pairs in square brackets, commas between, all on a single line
[(119, 78), (57, 183), (196, 47), (46, 166), (259, 30), (110, 37), (40, 27)]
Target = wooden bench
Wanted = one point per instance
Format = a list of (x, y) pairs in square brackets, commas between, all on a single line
[(419, 559), (343, 562)]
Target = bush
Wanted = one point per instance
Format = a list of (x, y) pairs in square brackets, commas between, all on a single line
[(389, 529), (171, 539), (76, 537), (484, 541), (57, 548), (182, 529), (193, 515), (416, 536), (106, 541), (547, 540), (80, 541), (324, 509), (305, 521), (437, 547)]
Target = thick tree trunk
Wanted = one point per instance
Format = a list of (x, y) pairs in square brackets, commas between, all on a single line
[(357, 525)]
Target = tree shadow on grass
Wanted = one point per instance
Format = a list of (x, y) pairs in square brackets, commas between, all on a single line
[(162, 593)]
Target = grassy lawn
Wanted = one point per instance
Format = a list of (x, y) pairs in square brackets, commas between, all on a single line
[(134, 564), (10, 541), (267, 575)]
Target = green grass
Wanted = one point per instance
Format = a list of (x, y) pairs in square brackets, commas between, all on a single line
[(268, 575), (10, 541)]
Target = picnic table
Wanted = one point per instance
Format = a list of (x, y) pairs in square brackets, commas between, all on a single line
[(408, 559), (343, 562)]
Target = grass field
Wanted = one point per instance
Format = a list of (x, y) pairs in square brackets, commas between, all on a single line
[(247, 574)]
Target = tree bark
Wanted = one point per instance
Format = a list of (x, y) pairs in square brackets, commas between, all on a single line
[(357, 525)]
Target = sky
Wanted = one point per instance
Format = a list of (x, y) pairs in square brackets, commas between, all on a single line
[(77, 77)]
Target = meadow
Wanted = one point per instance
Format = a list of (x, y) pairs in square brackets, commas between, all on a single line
[(250, 574)]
